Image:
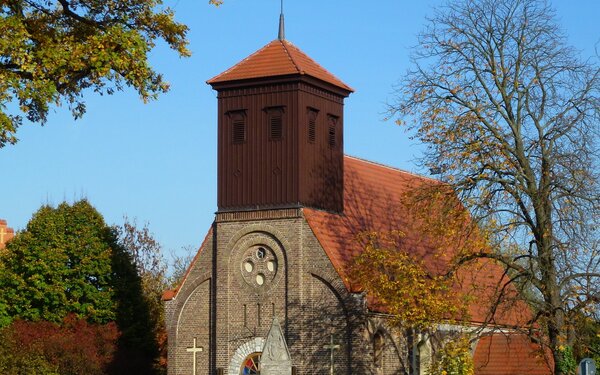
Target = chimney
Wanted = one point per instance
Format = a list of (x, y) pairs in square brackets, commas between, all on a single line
[(6, 233)]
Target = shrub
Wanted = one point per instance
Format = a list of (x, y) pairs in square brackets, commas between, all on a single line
[(74, 348)]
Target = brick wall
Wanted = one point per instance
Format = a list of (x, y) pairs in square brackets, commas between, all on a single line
[(221, 305), (6, 233)]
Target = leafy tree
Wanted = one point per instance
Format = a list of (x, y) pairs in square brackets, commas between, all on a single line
[(156, 273), (510, 115), (58, 49), (413, 295), (454, 358), (138, 348), (68, 261), (60, 264), (146, 254), (179, 265)]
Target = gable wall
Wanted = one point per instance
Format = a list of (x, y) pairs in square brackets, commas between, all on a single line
[(306, 294)]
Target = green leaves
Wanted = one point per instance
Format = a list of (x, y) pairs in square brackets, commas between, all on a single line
[(55, 51), (69, 262), (61, 264)]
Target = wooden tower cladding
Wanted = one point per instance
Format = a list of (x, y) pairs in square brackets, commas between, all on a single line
[(280, 136)]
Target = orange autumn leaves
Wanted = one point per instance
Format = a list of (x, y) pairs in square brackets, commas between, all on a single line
[(419, 289)]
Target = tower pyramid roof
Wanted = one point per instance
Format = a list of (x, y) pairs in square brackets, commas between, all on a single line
[(278, 58)]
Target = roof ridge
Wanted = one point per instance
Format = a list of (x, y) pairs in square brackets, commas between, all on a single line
[(240, 62), (396, 169), (287, 52), (302, 71)]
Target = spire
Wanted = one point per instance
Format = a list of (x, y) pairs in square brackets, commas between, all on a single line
[(281, 35)]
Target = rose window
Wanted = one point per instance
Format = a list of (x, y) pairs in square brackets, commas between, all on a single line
[(259, 265)]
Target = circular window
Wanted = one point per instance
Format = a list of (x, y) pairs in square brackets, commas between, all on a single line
[(251, 365), (259, 265)]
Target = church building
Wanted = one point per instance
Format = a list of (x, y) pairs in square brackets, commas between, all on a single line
[(268, 291)]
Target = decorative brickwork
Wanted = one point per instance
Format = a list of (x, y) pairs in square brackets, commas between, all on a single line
[(243, 351), (6, 233), (306, 295)]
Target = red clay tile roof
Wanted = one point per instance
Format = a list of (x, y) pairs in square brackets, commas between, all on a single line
[(372, 202), (373, 196), (510, 354), (278, 58)]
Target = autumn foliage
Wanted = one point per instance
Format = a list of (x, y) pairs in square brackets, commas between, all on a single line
[(75, 347), (58, 49), (402, 284), (67, 268)]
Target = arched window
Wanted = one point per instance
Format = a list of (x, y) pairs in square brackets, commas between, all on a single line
[(378, 348), (251, 365)]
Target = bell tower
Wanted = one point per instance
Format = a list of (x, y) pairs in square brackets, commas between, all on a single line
[(280, 132)]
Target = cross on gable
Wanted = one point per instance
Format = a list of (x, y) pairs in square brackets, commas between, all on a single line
[(332, 347), (194, 349)]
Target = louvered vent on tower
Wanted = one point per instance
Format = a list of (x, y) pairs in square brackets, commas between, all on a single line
[(238, 122), (312, 124), (275, 118), (332, 120)]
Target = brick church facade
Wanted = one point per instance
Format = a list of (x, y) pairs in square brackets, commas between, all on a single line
[(290, 205)]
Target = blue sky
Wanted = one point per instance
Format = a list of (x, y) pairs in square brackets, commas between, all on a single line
[(157, 162)]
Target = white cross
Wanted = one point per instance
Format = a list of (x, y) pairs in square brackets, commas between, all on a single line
[(331, 346), (194, 349)]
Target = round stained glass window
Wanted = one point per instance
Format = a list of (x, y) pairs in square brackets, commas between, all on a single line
[(259, 266), (251, 365)]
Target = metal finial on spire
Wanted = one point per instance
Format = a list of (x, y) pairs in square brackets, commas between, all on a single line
[(281, 35)]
